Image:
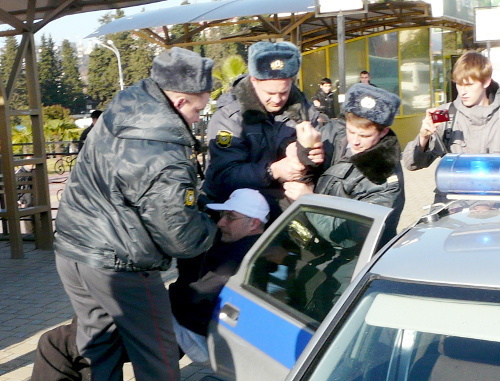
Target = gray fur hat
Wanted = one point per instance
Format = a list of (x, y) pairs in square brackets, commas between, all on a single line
[(183, 71), (268, 60), (372, 103)]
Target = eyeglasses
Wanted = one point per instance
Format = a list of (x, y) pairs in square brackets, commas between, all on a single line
[(231, 217)]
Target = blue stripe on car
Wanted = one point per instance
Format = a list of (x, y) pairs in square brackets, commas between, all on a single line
[(273, 335)]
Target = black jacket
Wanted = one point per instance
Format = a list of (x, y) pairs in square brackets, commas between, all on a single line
[(254, 139), (327, 102), (83, 136), (193, 295), (373, 176), (130, 201)]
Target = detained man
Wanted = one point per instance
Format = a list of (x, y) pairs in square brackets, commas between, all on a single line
[(194, 294)]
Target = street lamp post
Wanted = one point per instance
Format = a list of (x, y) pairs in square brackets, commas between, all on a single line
[(111, 46)]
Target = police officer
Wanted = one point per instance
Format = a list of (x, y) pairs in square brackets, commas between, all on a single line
[(255, 123), (129, 206), (362, 156)]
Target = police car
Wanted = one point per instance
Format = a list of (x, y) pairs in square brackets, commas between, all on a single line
[(426, 307)]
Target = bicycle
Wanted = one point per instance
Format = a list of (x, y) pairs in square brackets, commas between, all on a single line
[(63, 162)]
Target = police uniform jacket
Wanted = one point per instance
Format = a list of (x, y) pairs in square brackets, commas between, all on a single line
[(130, 202), (373, 176), (244, 139)]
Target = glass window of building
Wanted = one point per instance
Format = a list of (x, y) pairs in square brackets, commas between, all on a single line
[(313, 71), (383, 60), (415, 70), (439, 81), (355, 61)]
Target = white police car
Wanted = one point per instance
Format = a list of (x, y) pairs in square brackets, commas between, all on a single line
[(426, 308)]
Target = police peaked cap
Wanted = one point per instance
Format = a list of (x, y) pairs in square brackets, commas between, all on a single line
[(372, 103), (268, 60), (183, 71)]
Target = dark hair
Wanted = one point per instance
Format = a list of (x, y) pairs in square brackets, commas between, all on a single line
[(364, 72), (325, 80), (95, 114)]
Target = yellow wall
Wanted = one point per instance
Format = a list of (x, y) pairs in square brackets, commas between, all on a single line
[(407, 128)]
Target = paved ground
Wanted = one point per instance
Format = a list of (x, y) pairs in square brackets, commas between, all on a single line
[(32, 299)]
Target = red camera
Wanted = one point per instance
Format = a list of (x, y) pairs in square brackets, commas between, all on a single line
[(440, 116)]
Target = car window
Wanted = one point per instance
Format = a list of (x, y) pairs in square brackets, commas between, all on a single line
[(400, 331), (309, 261)]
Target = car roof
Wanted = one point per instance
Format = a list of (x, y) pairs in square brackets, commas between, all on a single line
[(457, 246)]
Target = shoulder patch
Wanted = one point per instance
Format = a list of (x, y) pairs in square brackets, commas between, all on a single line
[(189, 198), (224, 138), (392, 179)]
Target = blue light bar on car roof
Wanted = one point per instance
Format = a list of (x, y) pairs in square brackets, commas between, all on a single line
[(469, 174)]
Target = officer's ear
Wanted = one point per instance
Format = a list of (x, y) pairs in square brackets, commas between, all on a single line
[(179, 102), (384, 132)]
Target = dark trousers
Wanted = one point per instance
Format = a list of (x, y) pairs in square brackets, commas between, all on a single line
[(57, 357), (121, 315)]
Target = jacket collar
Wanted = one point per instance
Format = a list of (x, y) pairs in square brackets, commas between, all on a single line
[(144, 112), (379, 162), (253, 110)]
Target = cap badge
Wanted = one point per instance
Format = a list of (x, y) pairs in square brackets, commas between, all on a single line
[(368, 102), (189, 198), (277, 65)]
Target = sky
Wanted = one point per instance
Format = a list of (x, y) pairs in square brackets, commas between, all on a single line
[(76, 27)]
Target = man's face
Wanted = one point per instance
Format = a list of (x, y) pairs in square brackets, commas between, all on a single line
[(327, 88), (365, 78), (272, 93), (234, 226), (473, 92), (191, 107), (361, 139)]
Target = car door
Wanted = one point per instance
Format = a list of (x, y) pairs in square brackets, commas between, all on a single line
[(288, 282)]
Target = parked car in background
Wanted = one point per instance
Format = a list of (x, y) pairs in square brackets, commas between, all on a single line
[(426, 307)]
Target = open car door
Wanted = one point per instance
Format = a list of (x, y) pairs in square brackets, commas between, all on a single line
[(288, 282)]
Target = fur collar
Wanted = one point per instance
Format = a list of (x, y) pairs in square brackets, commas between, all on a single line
[(254, 112), (379, 162)]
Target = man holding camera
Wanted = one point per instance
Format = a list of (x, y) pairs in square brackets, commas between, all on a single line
[(473, 125)]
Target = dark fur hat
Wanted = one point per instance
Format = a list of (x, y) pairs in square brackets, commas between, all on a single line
[(372, 103), (183, 71), (268, 60)]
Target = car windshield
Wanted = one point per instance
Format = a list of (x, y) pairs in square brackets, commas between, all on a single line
[(408, 331)]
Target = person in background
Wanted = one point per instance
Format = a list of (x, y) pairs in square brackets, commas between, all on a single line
[(362, 156), (474, 125), (129, 206), (94, 115), (255, 123), (324, 99), (194, 294), (364, 77)]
